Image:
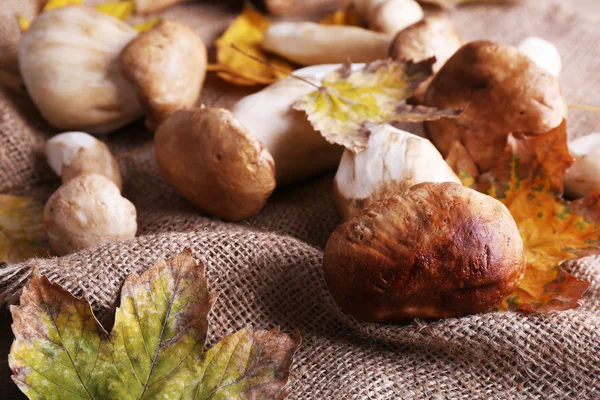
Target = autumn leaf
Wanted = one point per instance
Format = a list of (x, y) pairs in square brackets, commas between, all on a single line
[(118, 9), (155, 350), (448, 4), (528, 179), (22, 231), (345, 16), (350, 99), (246, 32)]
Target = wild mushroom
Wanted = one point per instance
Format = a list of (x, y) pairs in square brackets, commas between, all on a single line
[(69, 60), (71, 154), (88, 210), (583, 178), (394, 162), (298, 150), (309, 43), (150, 6), (435, 36), (388, 16), (501, 91), (440, 250), (215, 162), (543, 53), (167, 65)]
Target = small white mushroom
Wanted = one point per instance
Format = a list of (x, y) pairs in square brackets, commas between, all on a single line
[(88, 210), (71, 154), (543, 53), (394, 162), (583, 178), (389, 16), (309, 43)]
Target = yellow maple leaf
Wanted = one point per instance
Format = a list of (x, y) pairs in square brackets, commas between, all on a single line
[(345, 16), (247, 32), (528, 179), (146, 25), (22, 232), (350, 99), (118, 9), (52, 4)]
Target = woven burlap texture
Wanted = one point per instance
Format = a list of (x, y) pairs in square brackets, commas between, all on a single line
[(268, 269)]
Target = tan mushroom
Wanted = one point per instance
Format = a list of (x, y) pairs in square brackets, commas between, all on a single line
[(435, 36), (215, 162), (88, 210), (69, 60), (71, 154), (167, 65)]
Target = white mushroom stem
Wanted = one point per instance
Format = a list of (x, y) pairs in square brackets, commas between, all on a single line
[(309, 43), (298, 150), (71, 154), (583, 178), (394, 162), (543, 53)]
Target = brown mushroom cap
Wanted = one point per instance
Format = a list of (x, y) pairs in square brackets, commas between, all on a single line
[(441, 250), (88, 210), (435, 36), (215, 162), (502, 92), (167, 64)]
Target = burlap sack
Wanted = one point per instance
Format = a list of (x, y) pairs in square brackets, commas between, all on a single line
[(268, 269)]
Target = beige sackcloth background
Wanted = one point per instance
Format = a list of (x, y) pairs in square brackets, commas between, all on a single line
[(268, 269)]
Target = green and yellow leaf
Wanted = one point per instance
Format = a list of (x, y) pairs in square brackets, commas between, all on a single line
[(22, 231), (247, 32), (350, 99), (528, 179), (155, 350)]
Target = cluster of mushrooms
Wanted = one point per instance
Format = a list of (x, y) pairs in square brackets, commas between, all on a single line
[(415, 242)]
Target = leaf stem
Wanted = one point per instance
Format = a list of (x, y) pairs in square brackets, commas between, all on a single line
[(236, 48)]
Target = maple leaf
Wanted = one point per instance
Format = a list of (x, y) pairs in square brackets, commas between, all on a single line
[(22, 231), (528, 179), (346, 16), (449, 4), (118, 9), (247, 32), (350, 99), (156, 347)]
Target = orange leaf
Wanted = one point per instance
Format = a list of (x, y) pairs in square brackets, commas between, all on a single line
[(528, 179), (345, 16), (247, 32)]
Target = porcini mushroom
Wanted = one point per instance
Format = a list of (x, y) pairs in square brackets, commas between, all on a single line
[(167, 65), (502, 91), (88, 210), (69, 60), (394, 162), (298, 150), (434, 36), (71, 154), (440, 250), (388, 16), (215, 162)]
